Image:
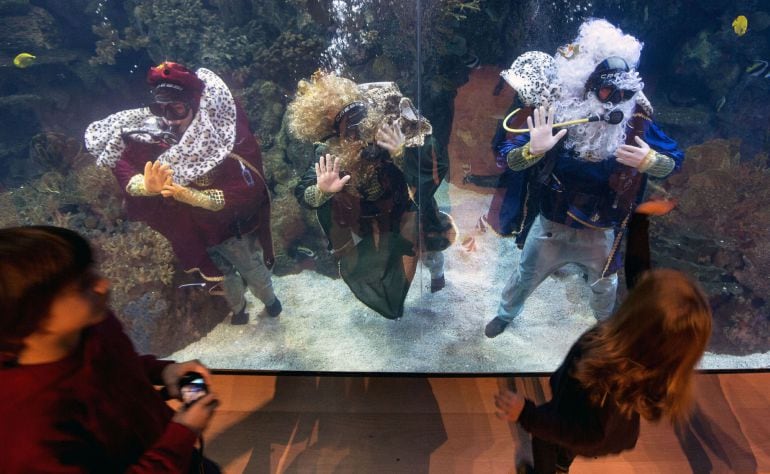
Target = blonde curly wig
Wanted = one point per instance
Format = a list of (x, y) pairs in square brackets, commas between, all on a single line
[(311, 113)]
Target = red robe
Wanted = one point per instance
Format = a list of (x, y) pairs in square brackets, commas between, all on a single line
[(191, 230), (93, 411)]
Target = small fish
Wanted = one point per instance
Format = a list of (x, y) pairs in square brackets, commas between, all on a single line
[(656, 207), (305, 252), (23, 60), (471, 61), (757, 68), (187, 285), (720, 103), (740, 25)]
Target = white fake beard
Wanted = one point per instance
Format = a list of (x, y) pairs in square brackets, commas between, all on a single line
[(593, 141)]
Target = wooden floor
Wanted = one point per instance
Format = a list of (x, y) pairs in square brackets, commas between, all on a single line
[(305, 424)]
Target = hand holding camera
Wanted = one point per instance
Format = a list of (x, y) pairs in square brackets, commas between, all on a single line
[(173, 373), (197, 415), (192, 389)]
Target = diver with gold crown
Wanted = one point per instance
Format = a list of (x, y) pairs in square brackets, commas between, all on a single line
[(375, 161), (192, 170), (584, 146)]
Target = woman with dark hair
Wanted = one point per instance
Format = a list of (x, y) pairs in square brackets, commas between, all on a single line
[(639, 362), (78, 398)]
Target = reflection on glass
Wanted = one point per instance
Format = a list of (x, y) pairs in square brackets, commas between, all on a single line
[(233, 216)]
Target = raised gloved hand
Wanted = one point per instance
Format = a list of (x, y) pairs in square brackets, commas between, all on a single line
[(328, 175), (156, 176), (634, 156), (541, 137), (391, 138)]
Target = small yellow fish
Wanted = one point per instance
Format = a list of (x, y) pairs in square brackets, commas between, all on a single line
[(23, 60), (740, 25)]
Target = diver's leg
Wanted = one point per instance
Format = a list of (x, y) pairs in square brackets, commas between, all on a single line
[(233, 283), (434, 260), (246, 255), (591, 253), (543, 253)]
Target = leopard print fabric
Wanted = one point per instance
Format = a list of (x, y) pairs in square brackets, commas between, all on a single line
[(532, 76), (205, 144)]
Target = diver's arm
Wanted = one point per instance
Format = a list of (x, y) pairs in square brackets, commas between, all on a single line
[(656, 164), (669, 156), (314, 197), (645, 159), (151, 183), (209, 199), (541, 140), (135, 186), (320, 182), (521, 158)]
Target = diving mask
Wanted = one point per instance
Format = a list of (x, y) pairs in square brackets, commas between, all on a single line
[(612, 94), (170, 110), (347, 122), (608, 79)]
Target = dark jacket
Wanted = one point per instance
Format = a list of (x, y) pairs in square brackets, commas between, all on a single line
[(570, 419)]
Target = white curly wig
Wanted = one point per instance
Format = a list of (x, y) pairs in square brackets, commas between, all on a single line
[(596, 41)]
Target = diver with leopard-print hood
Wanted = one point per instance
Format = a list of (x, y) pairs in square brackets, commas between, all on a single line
[(583, 183), (192, 170), (376, 163)]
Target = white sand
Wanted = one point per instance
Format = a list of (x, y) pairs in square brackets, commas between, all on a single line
[(324, 328)]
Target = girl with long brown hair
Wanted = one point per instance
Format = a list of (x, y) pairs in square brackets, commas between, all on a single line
[(639, 362)]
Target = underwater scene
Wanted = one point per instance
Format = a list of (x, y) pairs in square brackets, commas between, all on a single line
[(427, 186)]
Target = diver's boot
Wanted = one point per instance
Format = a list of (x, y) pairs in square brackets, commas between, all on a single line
[(495, 327), (437, 284), (274, 309), (241, 317)]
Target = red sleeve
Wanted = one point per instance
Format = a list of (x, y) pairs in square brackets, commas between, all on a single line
[(172, 453), (154, 368)]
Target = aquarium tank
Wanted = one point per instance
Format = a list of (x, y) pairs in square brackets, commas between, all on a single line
[(352, 185)]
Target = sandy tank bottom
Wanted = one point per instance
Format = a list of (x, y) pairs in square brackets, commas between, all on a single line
[(324, 328)]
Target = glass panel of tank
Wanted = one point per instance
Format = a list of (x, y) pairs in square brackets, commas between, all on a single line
[(395, 213)]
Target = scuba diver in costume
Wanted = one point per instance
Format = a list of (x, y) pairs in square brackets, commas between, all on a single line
[(192, 170), (372, 158), (582, 183)]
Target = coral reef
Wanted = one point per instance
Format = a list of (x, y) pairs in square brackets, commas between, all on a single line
[(285, 60), (111, 42), (720, 232), (137, 261), (34, 30), (52, 150)]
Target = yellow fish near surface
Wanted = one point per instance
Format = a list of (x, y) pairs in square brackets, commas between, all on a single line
[(740, 25), (23, 60)]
